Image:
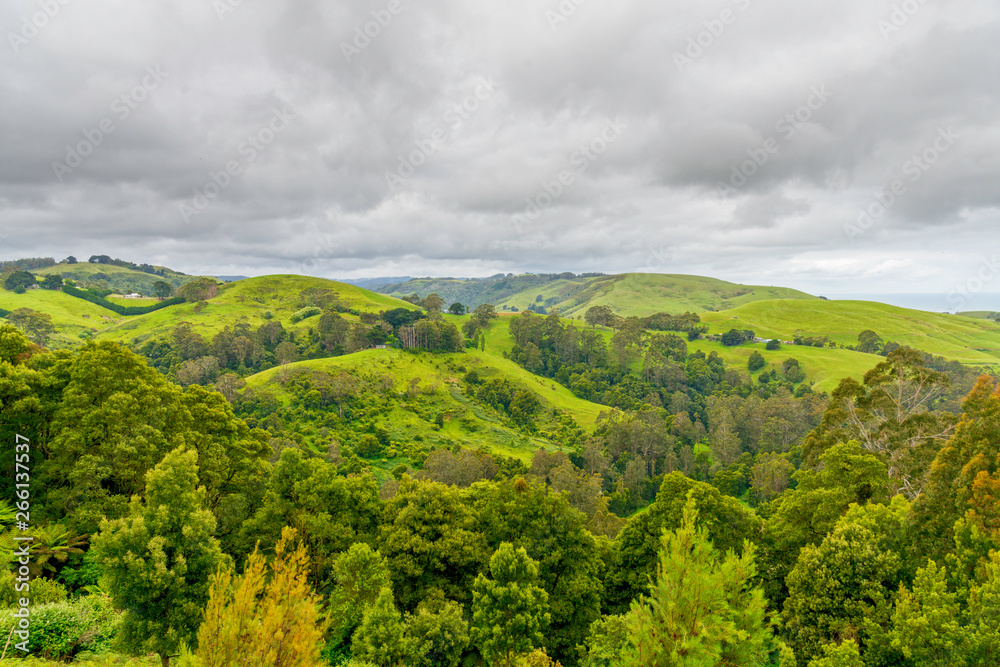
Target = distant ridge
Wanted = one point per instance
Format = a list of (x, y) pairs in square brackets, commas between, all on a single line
[(374, 283)]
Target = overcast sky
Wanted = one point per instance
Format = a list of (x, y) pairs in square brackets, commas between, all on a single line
[(739, 139)]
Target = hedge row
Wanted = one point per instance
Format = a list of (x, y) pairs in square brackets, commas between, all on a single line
[(121, 310)]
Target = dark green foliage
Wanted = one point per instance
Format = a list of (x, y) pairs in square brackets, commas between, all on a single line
[(773, 344), (756, 361), (17, 281), (736, 337), (62, 630), (634, 559)]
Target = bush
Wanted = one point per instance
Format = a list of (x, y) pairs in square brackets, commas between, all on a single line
[(61, 630), (773, 344), (308, 311), (756, 361)]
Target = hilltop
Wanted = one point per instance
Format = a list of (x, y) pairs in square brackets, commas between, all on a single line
[(628, 294), (119, 279)]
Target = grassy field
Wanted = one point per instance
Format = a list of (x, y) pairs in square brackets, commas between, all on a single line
[(118, 278), (70, 315), (967, 340)]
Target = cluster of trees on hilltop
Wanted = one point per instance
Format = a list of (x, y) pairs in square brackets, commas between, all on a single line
[(105, 259)]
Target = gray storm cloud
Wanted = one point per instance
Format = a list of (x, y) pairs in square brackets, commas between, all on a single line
[(784, 142)]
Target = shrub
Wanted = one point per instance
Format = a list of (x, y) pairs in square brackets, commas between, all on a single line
[(61, 630), (773, 344), (308, 311)]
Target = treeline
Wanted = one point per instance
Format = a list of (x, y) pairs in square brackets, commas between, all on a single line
[(27, 264), (144, 268)]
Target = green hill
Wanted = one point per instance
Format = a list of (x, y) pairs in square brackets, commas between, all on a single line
[(970, 341), (71, 316), (628, 294), (431, 384), (120, 279), (254, 298)]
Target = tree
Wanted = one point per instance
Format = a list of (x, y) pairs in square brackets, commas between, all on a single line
[(158, 561), (257, 624), (162, 289), (438, 632), (635, 551), (201, 289), (756, 361), (484, 314), (52, 281), (381, 639), (509, 609), (869, 341), (433, 303), (602, 315), (38, 326), (772, 345), (926, 625), (845, 587), (700, 609), (360, 575), (735, 337), (286, 352), (17, 281), (456, 309), (70, 260)]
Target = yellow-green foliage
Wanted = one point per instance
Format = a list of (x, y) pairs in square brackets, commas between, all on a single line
[(269, 617)]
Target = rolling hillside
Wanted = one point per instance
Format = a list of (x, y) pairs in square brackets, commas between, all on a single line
[(436, 381), (118, 278), (970, 341), (628, 294), (253, 299)]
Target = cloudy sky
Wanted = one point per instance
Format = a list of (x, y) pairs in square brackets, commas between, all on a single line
[(835, 147)]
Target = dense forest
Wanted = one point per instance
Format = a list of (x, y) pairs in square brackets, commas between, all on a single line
[(707, 518)]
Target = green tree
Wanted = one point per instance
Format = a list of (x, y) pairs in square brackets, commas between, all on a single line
[(433, 303), (846, 586), (360, 575), (158, 561), (756, 361), (431, 539), (456, 309), (381, 638), (926, 622), (162, 289), (509, 609), (772, 345), (52, 281), (845, 654), (635, 551), (37, 326), (869, 342), (17, 281), (700, 609), (437, 632)]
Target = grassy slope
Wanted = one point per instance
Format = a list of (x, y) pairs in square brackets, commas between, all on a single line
[(643, 294), (443, 374), (69, 314), (119, 278), (970, 341), (249, 298)]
